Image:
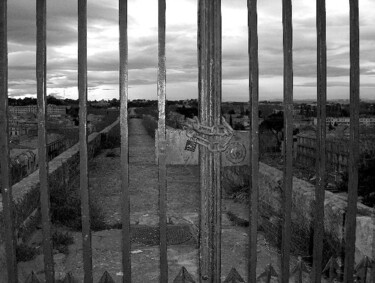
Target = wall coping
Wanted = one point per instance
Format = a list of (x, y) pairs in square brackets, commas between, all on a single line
[(23, 190)]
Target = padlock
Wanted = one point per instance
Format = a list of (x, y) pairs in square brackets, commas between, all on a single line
[(191, 144)]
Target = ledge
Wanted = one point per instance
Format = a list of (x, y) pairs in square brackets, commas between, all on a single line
[(25, 193)]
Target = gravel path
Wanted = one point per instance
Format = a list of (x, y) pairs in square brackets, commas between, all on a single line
[(183, 184)]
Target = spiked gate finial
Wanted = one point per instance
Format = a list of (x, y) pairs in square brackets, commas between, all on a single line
[(234, 277), (106, 278), (69, 279), (32, 278), (268, 273), (183, 277)]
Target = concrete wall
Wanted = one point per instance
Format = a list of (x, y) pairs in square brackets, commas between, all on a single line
[(236, 154), (335, 206), (61, 171)]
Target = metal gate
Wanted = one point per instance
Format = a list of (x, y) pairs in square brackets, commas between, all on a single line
[(209, 62)]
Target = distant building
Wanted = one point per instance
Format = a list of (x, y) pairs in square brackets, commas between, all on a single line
[(55, 144), (102, 103), (24, 157), (338, 121), (56, 110), (92, 118), (22, 127), (295, 112), (20, 110), (337, 149), (302, 122), (22, 163), (51, 109)]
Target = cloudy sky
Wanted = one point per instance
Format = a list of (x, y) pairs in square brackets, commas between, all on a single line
[(181, 49)]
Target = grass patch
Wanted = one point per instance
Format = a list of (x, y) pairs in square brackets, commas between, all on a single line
[(237, 220), (150, 125), (66, 210), (113, 139), (25, 252), (302, 236), (61, 241), (111, 154)]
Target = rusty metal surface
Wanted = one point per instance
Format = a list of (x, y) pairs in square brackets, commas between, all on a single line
[(216, 111), (162, 167), (209, 85), (215, 138), (350, 225), (321, 141), (124, 95), (41, 76), (254, 137), (83, 154), (10, 241), (288, 139)]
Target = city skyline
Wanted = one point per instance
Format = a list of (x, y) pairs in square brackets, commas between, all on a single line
[(182, 72)]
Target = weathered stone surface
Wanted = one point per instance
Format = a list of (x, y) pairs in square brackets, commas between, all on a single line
[(61, 170), (303, 197), (183, 208)]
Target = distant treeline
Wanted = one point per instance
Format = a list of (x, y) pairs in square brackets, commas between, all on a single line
[(33, 101)]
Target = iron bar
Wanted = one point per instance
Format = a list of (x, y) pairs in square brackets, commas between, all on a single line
[(372, 260), (162, 167), (41, 76), (9, 235), (209, 62), (288, 139), (124, 96), (83, 151), (204, 258), (320, 140), (254, 137), (350, 225), (216, 101)]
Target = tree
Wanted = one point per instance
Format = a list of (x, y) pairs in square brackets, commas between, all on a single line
[(114, 102), (366, 181), (275, 124), (187, 112), (239, 127), (53, 100)]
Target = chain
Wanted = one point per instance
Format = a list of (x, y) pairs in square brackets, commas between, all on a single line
[(215, 138)]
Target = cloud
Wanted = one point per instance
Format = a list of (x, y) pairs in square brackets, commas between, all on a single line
[(182, 69)]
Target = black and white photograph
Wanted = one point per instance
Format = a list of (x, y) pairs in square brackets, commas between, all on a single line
[(187, 141)]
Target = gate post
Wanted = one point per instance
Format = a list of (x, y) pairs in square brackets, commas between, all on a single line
[(209, 86)]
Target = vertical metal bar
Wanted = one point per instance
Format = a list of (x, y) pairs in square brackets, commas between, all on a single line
[(10, 241), (83, 151), (41, 76), (288, 139), (162, 168), (209, 61), (204, 258), (350, 229), (124, 95), (372, 261), (216, 110), (320, 140), (254, 141)]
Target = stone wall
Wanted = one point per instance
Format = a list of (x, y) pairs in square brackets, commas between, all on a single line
[(236, 175), (335, 206), (61, 171)]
